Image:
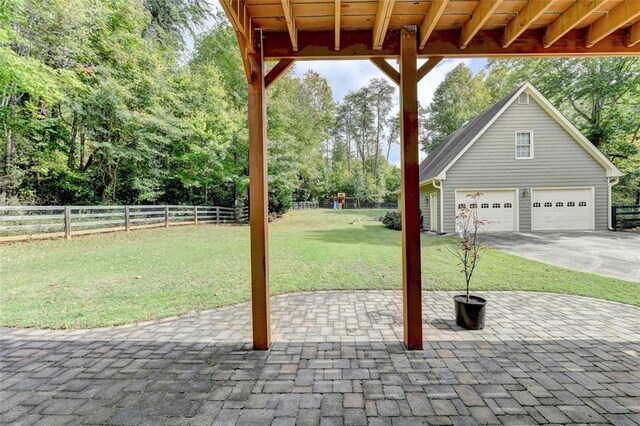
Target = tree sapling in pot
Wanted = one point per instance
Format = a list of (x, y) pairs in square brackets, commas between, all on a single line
[(469, 309)]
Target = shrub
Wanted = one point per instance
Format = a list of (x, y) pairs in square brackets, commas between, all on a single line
[(393, 220)]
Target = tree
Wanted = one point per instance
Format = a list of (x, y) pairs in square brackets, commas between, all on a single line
[(459, 98)]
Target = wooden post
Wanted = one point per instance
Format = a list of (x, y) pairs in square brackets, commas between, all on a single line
[(127, 219), (67, 222), (411, 266), (195, 215), (166, 216), (217, 215), (258, 200)]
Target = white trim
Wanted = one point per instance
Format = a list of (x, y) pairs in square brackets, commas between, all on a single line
[(441, 211), (612, 170), (515, 143), (610, 183), (516, 206), (592, 211)]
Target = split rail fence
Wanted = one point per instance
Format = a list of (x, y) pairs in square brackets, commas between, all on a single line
[(625, 217), (32, 222)]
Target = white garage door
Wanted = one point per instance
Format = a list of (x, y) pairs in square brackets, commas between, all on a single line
[(562, 209), (499, 207)]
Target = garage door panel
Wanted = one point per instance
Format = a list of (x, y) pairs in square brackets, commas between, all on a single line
[(562, 209), (498, 207)]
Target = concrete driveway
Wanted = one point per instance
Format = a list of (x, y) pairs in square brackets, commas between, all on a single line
[(612, 254)]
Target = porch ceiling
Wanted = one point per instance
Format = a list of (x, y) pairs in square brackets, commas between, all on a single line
[(312, 29)]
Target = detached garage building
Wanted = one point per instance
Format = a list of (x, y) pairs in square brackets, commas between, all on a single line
[(536, 171)]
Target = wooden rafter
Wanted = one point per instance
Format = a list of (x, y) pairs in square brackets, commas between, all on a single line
[(276, 72), (430, 21), (621, 15), (486, 43), (634, 35), (336, 28), (428, 66), (573, 16), (381, 24), (533, 10), (236, 11), (291, 23), (480, 16), (387, 69)]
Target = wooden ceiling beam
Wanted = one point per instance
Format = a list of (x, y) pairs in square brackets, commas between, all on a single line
[(387, 69), (444, 43), (278, 71), (626, 12), (480, 16), (429, 24), (533, 10), (428, 66), (336, 28), (291, 23), (573, 16), (383, 14), (634, 35)]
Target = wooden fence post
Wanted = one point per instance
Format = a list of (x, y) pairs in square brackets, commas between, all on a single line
[(127, 219), (217, 215), (67, 222), (195, 215), (166, 216)]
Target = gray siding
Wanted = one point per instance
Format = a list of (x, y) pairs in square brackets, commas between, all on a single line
[(559, 161), (425, 192)]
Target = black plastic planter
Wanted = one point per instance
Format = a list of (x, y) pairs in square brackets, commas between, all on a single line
[(470, 315)]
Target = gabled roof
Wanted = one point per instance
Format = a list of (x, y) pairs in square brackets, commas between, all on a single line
[(448, 151)]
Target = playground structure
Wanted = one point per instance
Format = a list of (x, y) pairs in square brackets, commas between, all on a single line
[(341, 202)]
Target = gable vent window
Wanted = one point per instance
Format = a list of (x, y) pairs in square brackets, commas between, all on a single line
[(484, 206), (507, 205), (548, 204), (582, 204), (571, 204), (536, 205), (523, 99), (496, 205), (524, 145)]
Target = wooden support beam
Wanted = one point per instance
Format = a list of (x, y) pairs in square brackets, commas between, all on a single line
[(428, 66), (383, 14), (480, 16), (410, 162), (626, 12), (291, 23), (573, 16), (634, 35), (387, 69), (486, 44), (336, 29), (258, 202), (533, 10), (277, 71), (429, 24)]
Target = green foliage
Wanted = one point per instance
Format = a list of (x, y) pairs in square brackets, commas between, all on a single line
[(393, 220)]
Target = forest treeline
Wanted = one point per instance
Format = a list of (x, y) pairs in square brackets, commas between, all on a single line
[(103, 102)]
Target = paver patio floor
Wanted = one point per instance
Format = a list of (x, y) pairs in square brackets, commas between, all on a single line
[(336, 359)]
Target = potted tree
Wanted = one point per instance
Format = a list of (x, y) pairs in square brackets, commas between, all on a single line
[(469, 309)]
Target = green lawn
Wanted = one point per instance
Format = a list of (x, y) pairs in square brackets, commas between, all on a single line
[(121, 278)]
